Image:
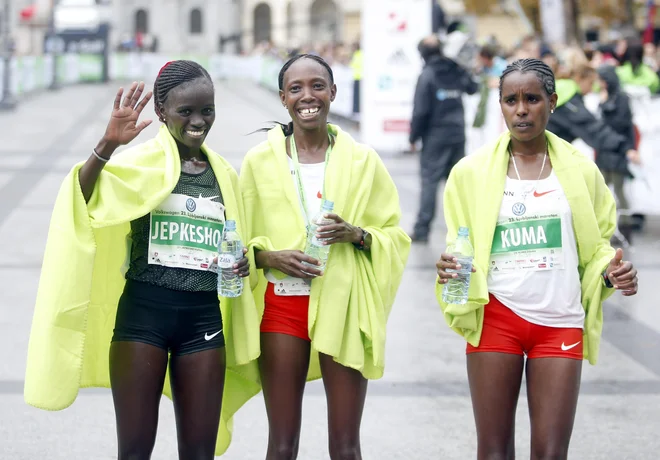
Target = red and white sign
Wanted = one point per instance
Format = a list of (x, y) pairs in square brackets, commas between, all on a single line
[(391, 31)]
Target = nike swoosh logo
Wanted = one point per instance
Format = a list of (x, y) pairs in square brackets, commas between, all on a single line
[(208, 337), (538, 195), (566, 348)]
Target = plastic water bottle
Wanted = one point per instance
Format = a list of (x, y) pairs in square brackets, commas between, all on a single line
[(230, 250), (456, 289), (315, 247)]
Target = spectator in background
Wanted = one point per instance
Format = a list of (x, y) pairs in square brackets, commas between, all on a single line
[(616, 113), (438, 119), (634, 72), (651, 56), (571, 120), (490, 65), (550, 59), (357, 66)]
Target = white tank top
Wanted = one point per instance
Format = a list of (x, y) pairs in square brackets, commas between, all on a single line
[(534, 261)]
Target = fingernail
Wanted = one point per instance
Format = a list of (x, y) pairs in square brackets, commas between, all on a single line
[(458, 266)]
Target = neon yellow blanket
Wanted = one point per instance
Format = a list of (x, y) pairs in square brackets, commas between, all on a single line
[(349, 305), (473, 196), (81, 279)]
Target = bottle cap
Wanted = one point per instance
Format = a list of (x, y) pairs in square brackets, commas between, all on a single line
[(230, 225), (463, 231)]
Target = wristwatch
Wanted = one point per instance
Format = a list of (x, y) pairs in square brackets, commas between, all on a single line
[(360, 246), (607, 281)]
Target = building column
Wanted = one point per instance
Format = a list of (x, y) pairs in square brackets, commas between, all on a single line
[(301, 22), (278, 23), (247, 19)]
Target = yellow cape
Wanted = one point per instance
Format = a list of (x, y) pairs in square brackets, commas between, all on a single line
[(473, 196), (81, 280), (350, 304)]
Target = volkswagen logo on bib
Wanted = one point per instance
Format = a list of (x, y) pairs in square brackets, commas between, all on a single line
[(191, 206), (519, 209)]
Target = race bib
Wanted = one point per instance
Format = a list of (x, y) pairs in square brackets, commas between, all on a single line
[(185, 233), (293, 287), (528, 244)]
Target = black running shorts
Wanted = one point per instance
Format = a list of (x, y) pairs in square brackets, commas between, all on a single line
[(180, 322)]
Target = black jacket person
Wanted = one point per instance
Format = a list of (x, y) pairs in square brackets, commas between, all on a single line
[(438, 120), (571, 120)]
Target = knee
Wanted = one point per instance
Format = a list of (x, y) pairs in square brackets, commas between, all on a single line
[(134, 454), (345, 451), (287, 450), (196, 452), (496, 453), (550, 453), (497, 456)]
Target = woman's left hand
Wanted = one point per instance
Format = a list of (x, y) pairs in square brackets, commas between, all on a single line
[(338, 232), (622, 274), (242, 267)]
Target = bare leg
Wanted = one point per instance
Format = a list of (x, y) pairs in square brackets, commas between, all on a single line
[(495, 380), (197, 385), (553, 385), (283, 364), (346, 390), (137, 374)]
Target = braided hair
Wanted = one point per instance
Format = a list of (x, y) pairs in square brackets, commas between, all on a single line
[(288, 129), (541, 69), (173, 74)]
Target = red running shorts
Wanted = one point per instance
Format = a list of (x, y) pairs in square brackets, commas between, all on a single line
[(505, 332), (285, 314)]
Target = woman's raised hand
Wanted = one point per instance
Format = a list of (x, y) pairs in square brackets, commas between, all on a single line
[(123, 126)]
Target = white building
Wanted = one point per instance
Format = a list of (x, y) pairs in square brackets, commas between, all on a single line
[(298, 22), (179, 26), (198, 26)]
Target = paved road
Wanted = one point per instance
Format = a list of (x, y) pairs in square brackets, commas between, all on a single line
[(419, 410)]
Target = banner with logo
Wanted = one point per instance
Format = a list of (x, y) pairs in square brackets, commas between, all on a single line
[(391, 31)]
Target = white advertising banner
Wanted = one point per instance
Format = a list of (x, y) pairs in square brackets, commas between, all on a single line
[(391, 31), (553, 21)]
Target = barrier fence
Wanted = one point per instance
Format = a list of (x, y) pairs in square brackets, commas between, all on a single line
[(33, 73)]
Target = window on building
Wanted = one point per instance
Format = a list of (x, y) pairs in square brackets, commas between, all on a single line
[(141, 21), (196, 27), (262, 23)]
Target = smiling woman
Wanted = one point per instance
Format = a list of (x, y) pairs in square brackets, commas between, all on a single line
[(168, 198), (314, 321)]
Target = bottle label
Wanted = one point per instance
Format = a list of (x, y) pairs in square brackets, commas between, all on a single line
[(226, 261)]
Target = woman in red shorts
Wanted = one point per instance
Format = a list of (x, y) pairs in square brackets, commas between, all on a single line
[(540, 219), (320, 323)]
